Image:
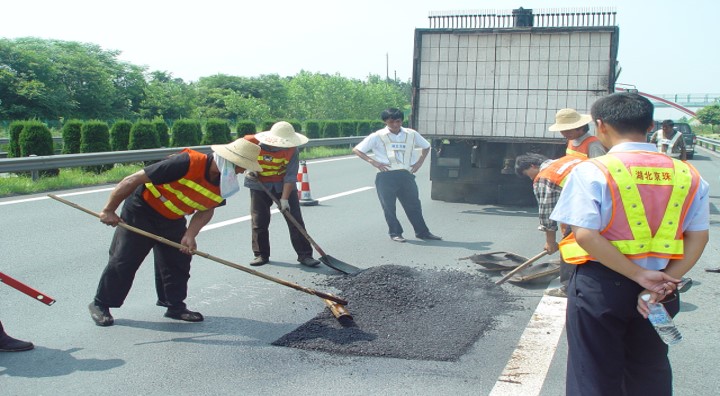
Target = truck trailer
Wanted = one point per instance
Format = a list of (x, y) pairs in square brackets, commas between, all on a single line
[(486, 86)]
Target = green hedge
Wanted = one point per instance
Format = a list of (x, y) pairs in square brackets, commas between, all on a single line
[(217, 131), (331, 129), (143, 135), (120, 135), (186, 133), (71, 135), (313, 129), (162, 129), (36, 139), (15, 128), (348, 128), (95, 138), (245, 127)]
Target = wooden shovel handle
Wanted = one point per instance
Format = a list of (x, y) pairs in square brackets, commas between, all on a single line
[(160, 239), (521, 267)]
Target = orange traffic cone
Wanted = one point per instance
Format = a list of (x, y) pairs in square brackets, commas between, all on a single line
[(303, 186)]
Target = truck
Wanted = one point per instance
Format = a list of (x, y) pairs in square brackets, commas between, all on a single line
[(486, 86)]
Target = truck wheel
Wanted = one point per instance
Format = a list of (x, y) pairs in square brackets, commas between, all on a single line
[(689, 155)]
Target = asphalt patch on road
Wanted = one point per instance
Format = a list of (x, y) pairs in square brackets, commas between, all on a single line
[(406, 313)]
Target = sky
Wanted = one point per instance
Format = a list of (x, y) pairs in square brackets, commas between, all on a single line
[(666, 46)]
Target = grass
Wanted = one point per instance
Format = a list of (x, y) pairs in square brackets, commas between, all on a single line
[(68, 178)]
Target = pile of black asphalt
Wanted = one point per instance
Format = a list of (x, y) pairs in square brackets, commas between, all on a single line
[(406, 313)]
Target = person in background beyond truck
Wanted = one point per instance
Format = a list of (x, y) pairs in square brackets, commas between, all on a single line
[(669, 140), (397, 161), (640, 221), (548, 178), (574, 127)]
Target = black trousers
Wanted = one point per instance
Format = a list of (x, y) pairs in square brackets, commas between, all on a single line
[(129, 249), (400, 186), (612, 349), (260, 206)]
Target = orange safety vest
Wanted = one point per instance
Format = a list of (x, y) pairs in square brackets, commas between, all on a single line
[(182, 197), (274, 163), (558, 170), (583, 149), (651, 194)]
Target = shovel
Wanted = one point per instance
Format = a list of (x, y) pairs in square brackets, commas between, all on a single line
[(326, 259), (521, 267), (324, 296)]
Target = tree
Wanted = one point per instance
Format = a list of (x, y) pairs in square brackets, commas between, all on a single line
[(709, 115)]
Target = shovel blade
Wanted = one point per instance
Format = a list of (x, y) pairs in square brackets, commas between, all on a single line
[(338, 265)]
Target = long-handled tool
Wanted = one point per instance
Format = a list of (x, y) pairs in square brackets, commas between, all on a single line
[(325, 296), (16, 284), (326, 259), (521, 267)]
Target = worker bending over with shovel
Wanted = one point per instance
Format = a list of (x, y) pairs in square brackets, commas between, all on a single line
[(640, 221), (279, 162), (548, 178), (157, 199)]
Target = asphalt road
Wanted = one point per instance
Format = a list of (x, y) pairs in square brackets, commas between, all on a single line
[(62, 251)]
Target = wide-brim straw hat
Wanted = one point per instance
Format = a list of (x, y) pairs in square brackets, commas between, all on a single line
[(566, 119), (282, 134), (241, 152)]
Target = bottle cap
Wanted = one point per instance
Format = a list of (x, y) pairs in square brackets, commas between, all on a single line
[(645, 297)]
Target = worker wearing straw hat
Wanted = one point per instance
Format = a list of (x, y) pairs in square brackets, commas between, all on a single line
[(279, 160), (157, 200), (576, 129)]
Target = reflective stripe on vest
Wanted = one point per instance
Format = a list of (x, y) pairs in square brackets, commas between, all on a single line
[(274, 163), (643, 244), (582, 150), (558, 170), (406, 148), (186, 195)]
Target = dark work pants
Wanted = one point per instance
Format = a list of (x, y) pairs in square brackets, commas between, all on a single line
[(129, 249), (612, 350), (260, 206), (400, 186)]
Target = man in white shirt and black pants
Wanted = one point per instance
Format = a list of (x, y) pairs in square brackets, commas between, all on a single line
[(397, 161)]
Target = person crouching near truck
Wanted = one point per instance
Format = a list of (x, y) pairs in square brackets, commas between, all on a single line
[(397, 161), (157, 199), (548, 176), (576, 129), (640, 221)]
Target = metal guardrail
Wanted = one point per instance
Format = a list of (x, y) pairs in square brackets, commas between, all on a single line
[(708, 143), (25, 164)]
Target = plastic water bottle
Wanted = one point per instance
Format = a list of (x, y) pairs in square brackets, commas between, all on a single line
[(662, 321)]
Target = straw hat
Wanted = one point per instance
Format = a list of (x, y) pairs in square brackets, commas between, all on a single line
[(566, 119), (241, 152), (282, 134)]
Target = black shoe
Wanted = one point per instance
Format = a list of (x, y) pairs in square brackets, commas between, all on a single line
[(398, 238), (258, 261), (101, 315), (184, 314), (9, 344), (429, 237), (309, 262)]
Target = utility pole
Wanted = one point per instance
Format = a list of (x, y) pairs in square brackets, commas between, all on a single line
[(387, 66)]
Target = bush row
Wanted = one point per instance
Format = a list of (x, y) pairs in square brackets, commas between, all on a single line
[(97, 136)]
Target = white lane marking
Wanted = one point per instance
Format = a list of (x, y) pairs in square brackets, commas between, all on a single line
[(527, 368), (59, 195), (246, 218), (110, 188)]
